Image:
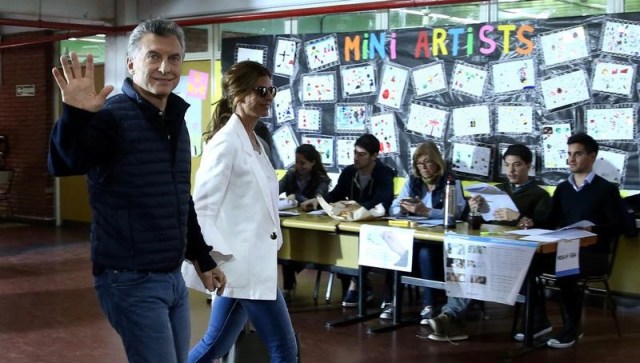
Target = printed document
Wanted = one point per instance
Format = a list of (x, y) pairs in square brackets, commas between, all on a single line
[(494, 197)]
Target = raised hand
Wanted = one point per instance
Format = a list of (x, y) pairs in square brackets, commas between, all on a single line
[(79, 90)]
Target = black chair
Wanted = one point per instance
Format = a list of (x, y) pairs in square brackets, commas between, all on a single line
[(548, 281), (6, 177), (586, 282)]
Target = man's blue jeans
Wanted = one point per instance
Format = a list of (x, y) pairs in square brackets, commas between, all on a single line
[(228, 317), (150, 311)]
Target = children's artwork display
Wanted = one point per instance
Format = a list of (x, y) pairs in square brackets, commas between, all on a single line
[(429, 79), (285, 57), (610, 164), (286, 143), (474, 159), (471, 120), (513, 75), (473, 90), (427, 120), (351, 117), (554, 145), (309, 119), (514, 118), (324, 144), (383, 127), (469, 79), (344, 150), (358, 80), (283, 105), (392, 86), (611, 122)]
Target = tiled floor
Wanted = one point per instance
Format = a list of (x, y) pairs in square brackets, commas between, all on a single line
[(49, 313)]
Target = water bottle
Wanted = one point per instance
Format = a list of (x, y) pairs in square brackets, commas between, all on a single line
[(450, 205)]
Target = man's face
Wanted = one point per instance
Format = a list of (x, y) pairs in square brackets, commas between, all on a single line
[(362, 158), (156, 66), (580, 162), (517, 169)]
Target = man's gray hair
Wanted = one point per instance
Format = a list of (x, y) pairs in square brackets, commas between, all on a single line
[(160, 27)]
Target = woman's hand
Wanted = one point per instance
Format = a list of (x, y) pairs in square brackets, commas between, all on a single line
[(415, 207)]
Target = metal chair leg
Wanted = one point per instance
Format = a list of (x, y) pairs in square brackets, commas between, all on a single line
[(329, 287)]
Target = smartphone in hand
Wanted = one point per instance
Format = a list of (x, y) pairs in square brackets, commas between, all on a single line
[(410, 200)]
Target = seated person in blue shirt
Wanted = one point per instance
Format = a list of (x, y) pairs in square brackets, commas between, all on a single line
[(368, 182), (533, 205), (423, 195), (306, 180)]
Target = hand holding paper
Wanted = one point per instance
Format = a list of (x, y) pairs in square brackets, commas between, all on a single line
[(495, 199)]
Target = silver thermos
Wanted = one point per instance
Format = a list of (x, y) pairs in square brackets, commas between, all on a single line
[(449, 217)]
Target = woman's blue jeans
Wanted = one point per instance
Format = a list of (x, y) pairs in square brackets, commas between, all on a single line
[(228, 318), (431, 267)]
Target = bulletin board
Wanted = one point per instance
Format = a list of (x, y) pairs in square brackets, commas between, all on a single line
[(473, 90)]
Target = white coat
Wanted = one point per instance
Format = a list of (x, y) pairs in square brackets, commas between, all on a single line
[(236, 203)]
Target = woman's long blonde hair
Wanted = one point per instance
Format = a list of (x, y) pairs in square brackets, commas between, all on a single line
[(237, 82)]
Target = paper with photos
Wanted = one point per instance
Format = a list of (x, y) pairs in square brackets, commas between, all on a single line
[(358, 80), (554, 145), (383, 127), (283, 105), (621, 37), (611, 164), (565, 89), (351, 117), (514, 118), (309, 118), (564, 46), (427, 120), (611, 122), (429, 79), (469, 79), (471, 159), (614, 78), (319, 87), (471, 120), (322, 53), (252, 52), (344, 150), (285, 57), (513, 75), (485, 268), (392, 86), (285, 142), (324, 144)]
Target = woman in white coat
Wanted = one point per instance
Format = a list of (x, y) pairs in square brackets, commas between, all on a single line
[(235, 197)]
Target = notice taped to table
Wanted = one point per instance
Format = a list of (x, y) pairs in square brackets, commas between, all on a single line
[(486, 268)]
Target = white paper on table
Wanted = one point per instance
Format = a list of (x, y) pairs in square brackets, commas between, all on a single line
[(559, 234), (530, 232), (318, 212), (429, 223), (285, 213), (582, 223), (494, 197), (287, 204), (568, 258)]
